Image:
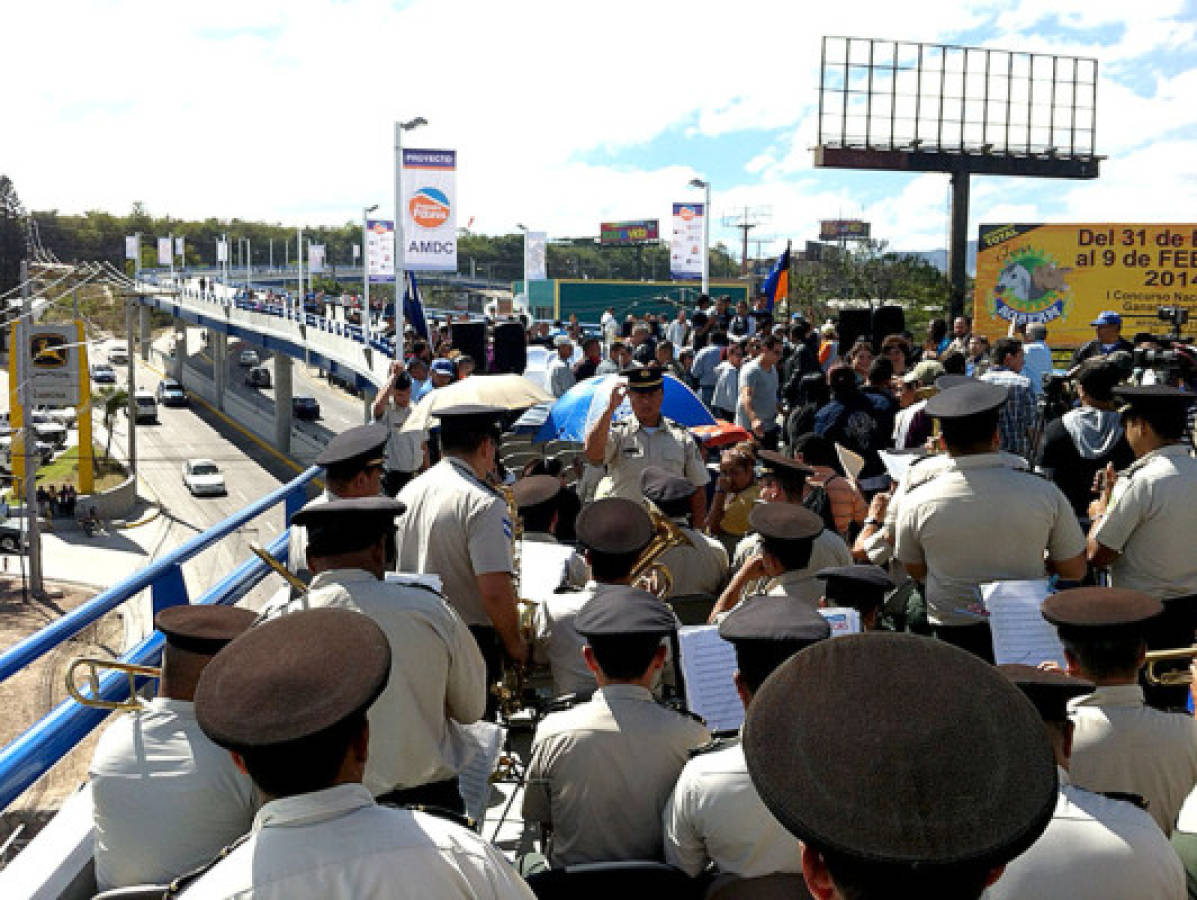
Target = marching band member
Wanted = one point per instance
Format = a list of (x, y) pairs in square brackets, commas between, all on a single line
[(700, 568)]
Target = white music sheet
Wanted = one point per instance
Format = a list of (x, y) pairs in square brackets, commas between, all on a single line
[(708, 662), (1020, 633), (842, 619), (477, 747)]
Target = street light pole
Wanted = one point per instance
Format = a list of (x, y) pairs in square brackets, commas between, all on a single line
[(400, 275), (366, 210), (527, 287), (706, 233)]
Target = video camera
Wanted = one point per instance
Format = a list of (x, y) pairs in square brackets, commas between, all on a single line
[(1174, 363)]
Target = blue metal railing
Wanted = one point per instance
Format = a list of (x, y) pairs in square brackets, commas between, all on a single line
[(32, 753)]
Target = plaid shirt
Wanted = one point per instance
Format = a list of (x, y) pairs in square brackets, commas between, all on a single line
[(1018, 415)]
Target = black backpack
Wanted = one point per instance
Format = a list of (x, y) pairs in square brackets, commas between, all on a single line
[(818, 501)]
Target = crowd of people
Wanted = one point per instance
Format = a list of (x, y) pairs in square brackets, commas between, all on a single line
[(888, 479)]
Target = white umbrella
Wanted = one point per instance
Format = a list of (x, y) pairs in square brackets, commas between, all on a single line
[(509, 392)]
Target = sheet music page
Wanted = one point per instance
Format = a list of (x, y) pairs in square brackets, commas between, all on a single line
[(896, 464), (851, 461), (842, 619), (476, 748), (1020, 633), (708, 662), (543, 567)]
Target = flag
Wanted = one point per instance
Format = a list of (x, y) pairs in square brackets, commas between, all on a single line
[(413, 307), (777, 285)]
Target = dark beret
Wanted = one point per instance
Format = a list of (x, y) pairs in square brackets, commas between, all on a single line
[(292, 677), (965, 400), (900, 749), (644, 378), (1049, 691), (660, 486), (535, 490), (362, 445), (624, 610), (763, 618), (1098, 611), (613, 525), (202, 628), (784, 521)]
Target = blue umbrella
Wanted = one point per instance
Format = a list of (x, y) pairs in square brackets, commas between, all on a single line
[(532, 419), (580, 406)]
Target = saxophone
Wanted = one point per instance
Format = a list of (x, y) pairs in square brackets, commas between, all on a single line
[(509, 689)]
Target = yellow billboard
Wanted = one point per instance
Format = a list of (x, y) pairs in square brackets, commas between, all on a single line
[(1064, 275)]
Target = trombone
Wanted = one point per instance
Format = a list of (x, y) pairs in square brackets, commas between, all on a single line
[(648, 573), (94, 665), (1169, 677)]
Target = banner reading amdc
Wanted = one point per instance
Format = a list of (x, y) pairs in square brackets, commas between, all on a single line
[(430, 210)]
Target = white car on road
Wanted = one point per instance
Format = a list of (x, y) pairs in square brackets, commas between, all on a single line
[(202, 476), (250, 358)]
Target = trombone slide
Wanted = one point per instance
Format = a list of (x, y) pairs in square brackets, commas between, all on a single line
[(94, 664)]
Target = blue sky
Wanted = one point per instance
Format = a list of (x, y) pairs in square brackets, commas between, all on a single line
[(564, 114)]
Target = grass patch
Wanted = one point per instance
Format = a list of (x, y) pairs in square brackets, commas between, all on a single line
[(65, 470)]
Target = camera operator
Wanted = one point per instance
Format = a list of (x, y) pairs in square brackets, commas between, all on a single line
[(1084, 440), (406, 451)]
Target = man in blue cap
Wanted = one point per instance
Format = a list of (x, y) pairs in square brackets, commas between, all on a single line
[(1109, 338)]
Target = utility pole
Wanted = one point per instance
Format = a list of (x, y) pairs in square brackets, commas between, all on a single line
[(25, 373), (746, 220)]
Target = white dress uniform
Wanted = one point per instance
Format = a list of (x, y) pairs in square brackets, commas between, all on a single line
[(437, 674), (697, 569), (157, 767), (716, 816), (1095, 848), (1120, 744), (602, 772), (556, 641), (1151, 521), (828, 551), (979, 520), (457, 527), (337, 843), (631, 447)]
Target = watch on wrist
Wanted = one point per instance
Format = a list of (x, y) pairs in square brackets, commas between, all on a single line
[(872, 521)]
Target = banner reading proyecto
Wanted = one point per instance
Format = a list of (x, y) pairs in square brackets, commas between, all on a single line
[(1064, 275), (430, 210)]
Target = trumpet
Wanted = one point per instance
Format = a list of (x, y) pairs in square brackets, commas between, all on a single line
[(648, 573), (1169, 677), (296, 583), (94, 665)]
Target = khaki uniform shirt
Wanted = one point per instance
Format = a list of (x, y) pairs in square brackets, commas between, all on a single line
[(156, 766), (457, 527), (631, 448), (1094, 848), (715, 815), (1120, 744), (437, 674), (555, 640), (602, 772), (828, 550), (977, 521), (1151, 521), (697, 569), (404, 449), (338, 843)]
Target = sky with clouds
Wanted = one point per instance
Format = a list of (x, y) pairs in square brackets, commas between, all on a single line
[(563, 114)]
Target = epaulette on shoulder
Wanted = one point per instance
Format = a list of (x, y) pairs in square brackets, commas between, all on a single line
[(564, 702), (441, 813), (721, 741), (1136, 799)]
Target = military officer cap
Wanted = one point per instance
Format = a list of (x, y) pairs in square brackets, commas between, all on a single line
[(203, 628), (860, 587), (355, 449), (1049, 691), (614, 525), (342, 526), (664, 488), (1153, 400), (292, 677), (784, 522), (623, 610), (957, 769), (471, 418), (772, 620), (644, 378), (1097, 613), (951, 380), (964, 400), (535, 490), (788, 471)]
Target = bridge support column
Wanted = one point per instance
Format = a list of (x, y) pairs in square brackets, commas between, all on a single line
[(143, 329), (180, 348), (282, 403), (368, 405), (218, 345)]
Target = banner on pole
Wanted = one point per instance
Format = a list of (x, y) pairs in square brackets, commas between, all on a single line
[(164, 251), (535, 252), (132, 245), (179, 246), (357, 252), (51, 363), (315, 258), (430, 210), (222, 251), (380, 251), (686, 249)]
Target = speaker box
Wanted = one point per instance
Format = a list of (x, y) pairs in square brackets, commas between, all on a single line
[(887, 320), (470, 338), (511, 349), (854, 323)]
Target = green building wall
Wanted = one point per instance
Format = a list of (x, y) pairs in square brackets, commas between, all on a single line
[(557, 298)]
